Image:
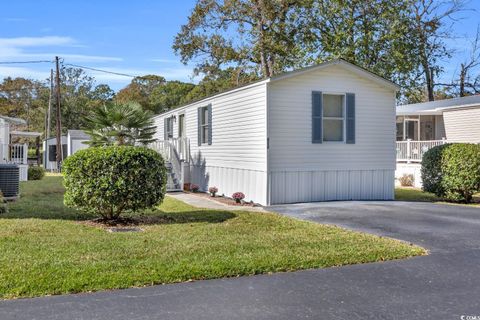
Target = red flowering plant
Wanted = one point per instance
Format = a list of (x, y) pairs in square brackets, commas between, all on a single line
[(194, 187), (213, 191), (238, 197)]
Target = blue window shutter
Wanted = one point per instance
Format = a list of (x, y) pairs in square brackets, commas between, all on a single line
[(350, 118), (199, 124), (209, 124), (317, 117), (165, 130)]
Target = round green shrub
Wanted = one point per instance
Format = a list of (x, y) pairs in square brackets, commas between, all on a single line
[(431, 170), (111, 180), (461, 171), (36, 173)]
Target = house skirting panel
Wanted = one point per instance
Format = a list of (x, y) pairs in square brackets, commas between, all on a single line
[(253, 183), (23, 172), (413, 169), (309, 186)]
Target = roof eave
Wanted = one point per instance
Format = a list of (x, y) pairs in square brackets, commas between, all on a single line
[(348, 65)]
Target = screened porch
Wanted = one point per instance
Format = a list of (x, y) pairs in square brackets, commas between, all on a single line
[(416, 134)]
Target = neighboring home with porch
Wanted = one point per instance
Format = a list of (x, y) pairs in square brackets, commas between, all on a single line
[(421, 126), (11, 152), (321, 133)]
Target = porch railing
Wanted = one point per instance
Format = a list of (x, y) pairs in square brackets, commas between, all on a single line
[(413, 151), (14, 153), (180, 146), (176, 152)]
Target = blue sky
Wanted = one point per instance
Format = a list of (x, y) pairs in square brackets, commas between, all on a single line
[(133, 37)]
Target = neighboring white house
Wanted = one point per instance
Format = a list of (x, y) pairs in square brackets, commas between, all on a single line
[(15, 152), (321, 133), (50, 152), (71, 143), (421, 126), (76, 141)]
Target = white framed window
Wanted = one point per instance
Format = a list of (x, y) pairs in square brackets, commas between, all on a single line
[(181, 125), (333, 117), (204, 125), (169, 127)]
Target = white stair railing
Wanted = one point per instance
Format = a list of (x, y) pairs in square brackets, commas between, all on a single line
[(176, 152)]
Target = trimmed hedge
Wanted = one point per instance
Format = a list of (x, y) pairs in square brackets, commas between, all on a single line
[(431, 170), (111, 180), (461, 171), (452, 171), (36, 173)]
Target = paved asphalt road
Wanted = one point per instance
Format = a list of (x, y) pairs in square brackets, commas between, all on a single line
[(442, 285)]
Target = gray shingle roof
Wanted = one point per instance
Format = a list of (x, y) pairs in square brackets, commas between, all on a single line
[(439, 105)]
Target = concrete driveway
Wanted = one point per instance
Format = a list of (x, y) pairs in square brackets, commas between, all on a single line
[(443, 285)]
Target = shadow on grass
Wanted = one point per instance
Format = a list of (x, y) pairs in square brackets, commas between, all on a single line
[(194, 216), (43, 199), (51, 207)]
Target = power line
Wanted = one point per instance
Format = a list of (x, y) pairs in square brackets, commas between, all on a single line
[(25, 62), (100, 70)]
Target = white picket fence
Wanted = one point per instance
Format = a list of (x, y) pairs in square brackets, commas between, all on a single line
[(413, 151)]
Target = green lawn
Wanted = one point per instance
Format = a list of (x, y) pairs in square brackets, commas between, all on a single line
[(47, 250), (417, 195), (413, 194)]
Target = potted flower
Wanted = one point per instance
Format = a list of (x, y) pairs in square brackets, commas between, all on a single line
[(194, 187), (213, 191), (238, 197)]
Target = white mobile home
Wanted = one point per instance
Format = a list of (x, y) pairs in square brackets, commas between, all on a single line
[(322, 133)]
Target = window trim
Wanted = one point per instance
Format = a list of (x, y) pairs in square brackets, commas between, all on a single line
[(204, 126), (170, 126), (343, 119), (180, 115)]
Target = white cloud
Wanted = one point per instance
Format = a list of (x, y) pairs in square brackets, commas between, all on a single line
[(15, 20), (35, 41), (14, 49), (46, 48), (161, 60), (7, 71)]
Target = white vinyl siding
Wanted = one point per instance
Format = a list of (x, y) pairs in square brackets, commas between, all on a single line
[(462, 125), (302, 171), (236, 160)]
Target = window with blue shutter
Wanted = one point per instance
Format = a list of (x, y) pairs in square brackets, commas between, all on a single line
[(350, 126), (317, 117)]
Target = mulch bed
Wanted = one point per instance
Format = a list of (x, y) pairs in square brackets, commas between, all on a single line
[(224, 200)]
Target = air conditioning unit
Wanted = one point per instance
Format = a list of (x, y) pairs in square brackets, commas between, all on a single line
[(9, 180)]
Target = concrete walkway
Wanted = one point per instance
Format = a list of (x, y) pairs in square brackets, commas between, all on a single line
[(203, 202)]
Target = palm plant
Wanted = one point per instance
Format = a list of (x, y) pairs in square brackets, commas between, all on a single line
[(120, 124)]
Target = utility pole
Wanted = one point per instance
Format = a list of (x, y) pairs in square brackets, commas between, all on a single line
[(48, 119), (59, 155)]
